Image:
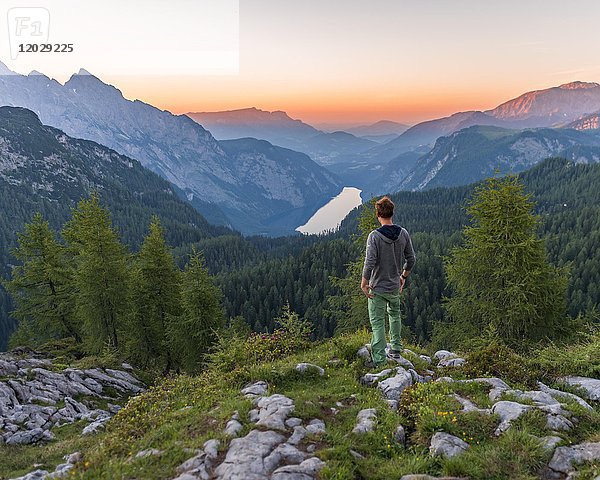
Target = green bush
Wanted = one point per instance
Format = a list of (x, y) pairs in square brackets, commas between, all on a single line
[(498, 360), (232, 351), (581, 358)]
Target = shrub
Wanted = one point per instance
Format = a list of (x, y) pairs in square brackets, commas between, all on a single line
[(497, 360), (581, 358), (232, 351)]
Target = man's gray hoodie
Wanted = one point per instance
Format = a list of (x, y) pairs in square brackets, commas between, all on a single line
[(386, 248)]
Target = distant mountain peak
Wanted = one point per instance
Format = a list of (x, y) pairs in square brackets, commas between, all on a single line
[(4, 70), (578, 85), (83, 71)]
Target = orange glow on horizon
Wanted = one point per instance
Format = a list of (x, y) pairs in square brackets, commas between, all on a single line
[(341, 107)]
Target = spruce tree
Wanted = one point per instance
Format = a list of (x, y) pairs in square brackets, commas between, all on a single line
[(101, 276), (42, 286), (155, 299), (192, 333), (500, 277)]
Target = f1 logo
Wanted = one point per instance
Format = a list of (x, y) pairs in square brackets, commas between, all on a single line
[(27, 25)]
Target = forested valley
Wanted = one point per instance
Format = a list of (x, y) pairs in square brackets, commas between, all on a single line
[(259, 276)]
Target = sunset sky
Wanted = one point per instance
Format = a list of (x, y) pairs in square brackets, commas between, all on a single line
[(351, 61)]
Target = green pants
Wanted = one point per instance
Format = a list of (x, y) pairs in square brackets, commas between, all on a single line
[(377, 307)]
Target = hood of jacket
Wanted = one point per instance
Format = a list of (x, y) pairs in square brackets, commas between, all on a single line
[(389, 233)]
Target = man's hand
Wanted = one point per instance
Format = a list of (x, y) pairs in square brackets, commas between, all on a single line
[(364, 286), (403, 278)]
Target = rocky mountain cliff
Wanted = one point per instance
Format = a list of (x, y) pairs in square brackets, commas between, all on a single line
[(589, 122), (554, 106), (174, 146), (477, 152), (293, 184)]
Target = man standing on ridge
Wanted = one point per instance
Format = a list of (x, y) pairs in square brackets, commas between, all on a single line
[(383, 279)]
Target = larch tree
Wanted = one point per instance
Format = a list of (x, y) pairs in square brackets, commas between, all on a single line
[(155, 293), (192, 333), (42, 286), (101, 275), (500, 277)]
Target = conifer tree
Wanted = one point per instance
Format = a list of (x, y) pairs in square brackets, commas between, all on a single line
[(101, 277), (42, 286), (192, 333), (155, 299), (500, 276)]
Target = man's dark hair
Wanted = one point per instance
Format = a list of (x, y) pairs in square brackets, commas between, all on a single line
[(384, 207)]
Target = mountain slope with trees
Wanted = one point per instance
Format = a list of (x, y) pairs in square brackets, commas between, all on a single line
[(44, 170), (474, 153)]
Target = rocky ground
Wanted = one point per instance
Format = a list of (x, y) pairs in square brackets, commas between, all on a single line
[(287, 432), (551, 402), (37, 396)]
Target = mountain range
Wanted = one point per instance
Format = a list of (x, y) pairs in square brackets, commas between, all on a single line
[(326, 148), (266, 173), (181, 151), (467, 146), (386, 165)]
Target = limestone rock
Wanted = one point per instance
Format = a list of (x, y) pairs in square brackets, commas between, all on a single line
[(590, 387), (426, 359), (233, 428), (274, 411), (299, 434), (293, 422), (393, 387), (537, 397), (365, 421), (566, 458), (452, 362), (30, 392), (309, 367), (364, 353), (257, 389), (246, 455), (443, 354), (558, 423), (444, 444), (508, 411), (316, 427), (307, 470), (564, 396), (445, 379), (370, 379)]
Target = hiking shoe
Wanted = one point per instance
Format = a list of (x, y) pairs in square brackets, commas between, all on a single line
[(395, 354)]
